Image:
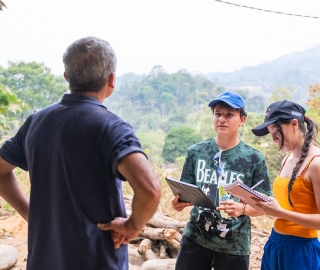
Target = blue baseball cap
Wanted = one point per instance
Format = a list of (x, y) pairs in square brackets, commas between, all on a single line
[(233, 99)]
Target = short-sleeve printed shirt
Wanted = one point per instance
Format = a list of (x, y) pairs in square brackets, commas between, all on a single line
[(211, 228)]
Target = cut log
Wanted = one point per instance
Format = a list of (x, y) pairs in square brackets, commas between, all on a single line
[(145, 250), (172, 253), (159, 264), (178, 237), (162, 221), (158, 233), (135, 257), (162, 250), (173, 243)]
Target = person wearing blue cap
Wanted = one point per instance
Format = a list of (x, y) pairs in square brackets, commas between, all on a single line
[(220, 238), (293, 243)]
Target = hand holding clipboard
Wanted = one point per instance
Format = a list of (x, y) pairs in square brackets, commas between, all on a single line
[(245, 193)]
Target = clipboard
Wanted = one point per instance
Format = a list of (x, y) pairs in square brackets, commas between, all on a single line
[(190, 193), (244, 193)]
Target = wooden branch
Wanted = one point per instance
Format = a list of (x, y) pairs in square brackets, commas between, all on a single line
[(145, 250), (162, 221), (162, 250), (178, 237), (158, 233), (173, 243)]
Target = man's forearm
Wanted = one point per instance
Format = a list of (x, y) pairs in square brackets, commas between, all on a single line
[(11, 192), (143, 208), (146, 187)]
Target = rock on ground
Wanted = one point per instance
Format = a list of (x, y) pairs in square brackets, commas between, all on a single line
[(8, 256)]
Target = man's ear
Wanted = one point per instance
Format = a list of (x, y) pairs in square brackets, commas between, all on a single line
[(112, 80), (243, 120), (65, 76)]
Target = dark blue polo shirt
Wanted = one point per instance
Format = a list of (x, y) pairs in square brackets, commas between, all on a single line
[(72, 150)]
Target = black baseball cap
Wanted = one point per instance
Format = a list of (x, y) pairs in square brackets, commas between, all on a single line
[(280, 110)]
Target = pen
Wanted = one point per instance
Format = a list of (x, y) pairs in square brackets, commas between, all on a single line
[(257, 184)]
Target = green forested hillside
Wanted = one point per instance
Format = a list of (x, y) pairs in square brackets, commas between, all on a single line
[(168, 111), (296, 71), (161, 100)]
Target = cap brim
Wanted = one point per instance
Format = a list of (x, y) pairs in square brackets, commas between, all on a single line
[(213, 102), (262, 129)]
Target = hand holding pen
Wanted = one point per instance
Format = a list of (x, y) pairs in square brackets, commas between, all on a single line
[(257, 184)]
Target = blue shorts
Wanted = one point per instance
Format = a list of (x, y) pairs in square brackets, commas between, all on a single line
[(286, 252)]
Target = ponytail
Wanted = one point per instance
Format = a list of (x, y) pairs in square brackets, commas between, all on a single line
[(311, 133)]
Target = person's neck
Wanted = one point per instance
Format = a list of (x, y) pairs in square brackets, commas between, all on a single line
[(97, 95), (225, 143), (296, 152)]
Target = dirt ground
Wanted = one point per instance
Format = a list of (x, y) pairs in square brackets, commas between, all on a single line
[(13, 232)]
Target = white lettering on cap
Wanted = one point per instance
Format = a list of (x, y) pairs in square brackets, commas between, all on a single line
[(296, 113)]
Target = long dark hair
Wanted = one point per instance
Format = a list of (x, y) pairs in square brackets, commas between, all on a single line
[(310, 134)]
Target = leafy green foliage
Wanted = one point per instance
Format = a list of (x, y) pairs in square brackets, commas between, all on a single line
[(177, 141), (152, 144), (161, 100), (281, 93), (10, 105), (168, 111), (34, 84), (314, 101)]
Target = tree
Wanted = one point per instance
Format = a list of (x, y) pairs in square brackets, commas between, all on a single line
[(256, 104), (2, 5), (9, 106), (152, 144), (33, 83), (177, 141), (314, 102), (281, 93)]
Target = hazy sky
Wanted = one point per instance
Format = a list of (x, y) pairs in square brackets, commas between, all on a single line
[(201, 36)]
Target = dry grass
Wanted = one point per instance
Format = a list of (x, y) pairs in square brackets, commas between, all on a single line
[(166, 194), (261, 222)]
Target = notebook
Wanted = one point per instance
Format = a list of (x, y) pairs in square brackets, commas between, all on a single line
[(244, 193), (190, 193)]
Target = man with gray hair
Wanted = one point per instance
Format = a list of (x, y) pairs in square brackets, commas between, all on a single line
[(77, 152)]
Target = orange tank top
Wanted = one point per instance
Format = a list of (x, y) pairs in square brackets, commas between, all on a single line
[(303, 199)]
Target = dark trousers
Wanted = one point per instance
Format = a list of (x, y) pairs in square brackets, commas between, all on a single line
[(192, 256)]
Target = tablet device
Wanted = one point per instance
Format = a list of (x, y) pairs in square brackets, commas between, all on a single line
[(190, 193)]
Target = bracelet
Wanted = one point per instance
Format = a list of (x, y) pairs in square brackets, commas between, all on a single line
[(244, 208)]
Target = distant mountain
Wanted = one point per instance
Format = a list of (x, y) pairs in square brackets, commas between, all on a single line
[(298, 70)]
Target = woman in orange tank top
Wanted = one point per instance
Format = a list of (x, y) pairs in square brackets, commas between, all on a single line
[(293, 243)]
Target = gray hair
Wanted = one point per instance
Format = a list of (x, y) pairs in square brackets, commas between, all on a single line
[(88, 64)]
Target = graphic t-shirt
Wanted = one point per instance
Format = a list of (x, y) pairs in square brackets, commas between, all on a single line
[(211, 171)]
